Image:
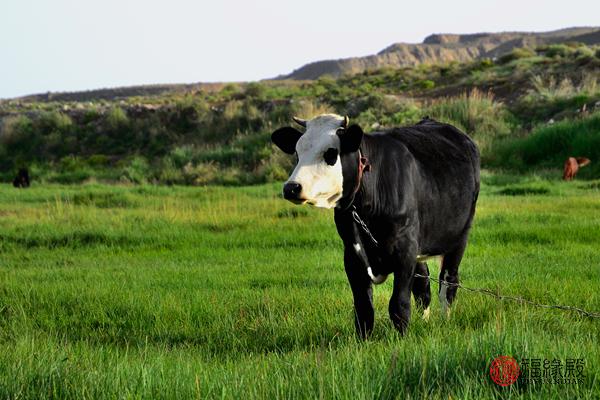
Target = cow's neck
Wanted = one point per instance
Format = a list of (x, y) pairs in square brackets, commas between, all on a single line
[(371, 196), (358, 165)]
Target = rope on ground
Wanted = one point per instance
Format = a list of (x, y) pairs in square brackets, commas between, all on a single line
[(488, 292)]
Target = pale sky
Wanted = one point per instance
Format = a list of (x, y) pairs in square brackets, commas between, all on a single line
[(67, 45)]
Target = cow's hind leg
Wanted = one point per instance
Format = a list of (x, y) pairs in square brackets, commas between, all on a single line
[(449, 273), (421, 289)]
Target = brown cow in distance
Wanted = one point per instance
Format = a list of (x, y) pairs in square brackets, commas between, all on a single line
[(572, 165)]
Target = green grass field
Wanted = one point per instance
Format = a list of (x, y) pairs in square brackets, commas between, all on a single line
[(179, 292)]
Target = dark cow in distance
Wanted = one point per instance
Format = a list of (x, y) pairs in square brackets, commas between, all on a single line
[(572, 165), (22, 179), (399, 197)]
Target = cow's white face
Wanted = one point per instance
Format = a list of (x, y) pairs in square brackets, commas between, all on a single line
[(319, 170), (317, 179)]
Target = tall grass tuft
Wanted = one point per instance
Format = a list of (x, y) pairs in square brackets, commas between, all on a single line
[(477, 113), (552, 99), (551, 88)]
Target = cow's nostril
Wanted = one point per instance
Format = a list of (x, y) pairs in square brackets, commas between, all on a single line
[(291, 190)]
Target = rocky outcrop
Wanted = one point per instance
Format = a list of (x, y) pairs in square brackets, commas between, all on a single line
[(440, 48)]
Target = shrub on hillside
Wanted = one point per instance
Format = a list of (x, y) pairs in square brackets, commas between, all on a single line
[(407, 115), (18, 141), (54, 121), (137, 170), (556, 50), (425, 84), (584, 53), (117, 118), (71, 164), (255, 90), (182, 155), (230, 91), (516, 54), (392, 111)]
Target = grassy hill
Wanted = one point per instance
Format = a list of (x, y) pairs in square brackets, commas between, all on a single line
[(220, 133)]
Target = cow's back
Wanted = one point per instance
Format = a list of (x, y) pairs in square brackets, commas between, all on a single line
[(439, 148), (445, 180)]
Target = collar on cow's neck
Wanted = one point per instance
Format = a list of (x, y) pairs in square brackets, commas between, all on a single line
[(363, 166)]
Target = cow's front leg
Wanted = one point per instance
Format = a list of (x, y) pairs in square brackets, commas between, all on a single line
[(360, 283), (404, 270)]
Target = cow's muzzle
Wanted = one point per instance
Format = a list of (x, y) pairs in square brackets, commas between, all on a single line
[(291, 191)]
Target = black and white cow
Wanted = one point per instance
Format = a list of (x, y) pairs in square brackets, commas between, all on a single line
[(415, 190)]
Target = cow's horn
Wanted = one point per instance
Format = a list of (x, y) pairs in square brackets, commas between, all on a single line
[(346, 122), (299, 121)]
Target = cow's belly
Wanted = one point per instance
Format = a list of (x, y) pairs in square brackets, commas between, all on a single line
[(443, 226)]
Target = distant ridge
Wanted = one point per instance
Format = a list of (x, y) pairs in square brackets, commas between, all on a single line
[(436, 48), (121, 92), (440, 48)]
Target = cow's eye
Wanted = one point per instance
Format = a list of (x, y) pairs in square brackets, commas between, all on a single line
[(330, 156)]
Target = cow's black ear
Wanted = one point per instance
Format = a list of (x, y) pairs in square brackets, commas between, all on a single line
[(350, 138), (286, 139)]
